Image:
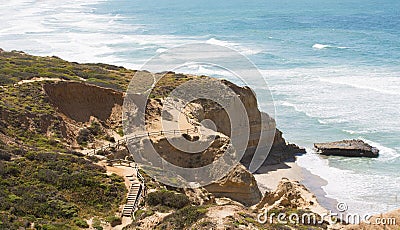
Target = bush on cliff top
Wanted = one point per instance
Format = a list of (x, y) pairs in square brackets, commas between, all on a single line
[(183, 218), (167, 198), (17, 66), (54, 187)]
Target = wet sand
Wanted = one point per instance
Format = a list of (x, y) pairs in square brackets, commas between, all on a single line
[(268, 178)]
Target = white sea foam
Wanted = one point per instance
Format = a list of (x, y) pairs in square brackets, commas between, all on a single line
[(382, 84), (245, 50), (321, 93), (385, 153), (161, 50), (320, 46), (360, 191), (203, 69), (359, 132), (333, 120), (356, 110)]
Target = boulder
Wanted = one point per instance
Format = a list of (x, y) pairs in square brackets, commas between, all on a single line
[(347, 148), (290, 194), (238, 185)]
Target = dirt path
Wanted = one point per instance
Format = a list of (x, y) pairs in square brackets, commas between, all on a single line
[(36, 79)]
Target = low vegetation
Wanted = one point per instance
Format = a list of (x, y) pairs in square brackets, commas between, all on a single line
[(48, 188), (183, 218), (167, 198), (114, 220), (16, 66), (43, 183)]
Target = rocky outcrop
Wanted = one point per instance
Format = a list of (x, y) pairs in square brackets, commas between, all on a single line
[(180, 158), (199, 196), (239, 185), (258, 122), (290, 194), (347, 148), (281, 150)]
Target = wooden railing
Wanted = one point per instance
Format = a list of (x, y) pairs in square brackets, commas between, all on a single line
[(130, 207), (126, 139)]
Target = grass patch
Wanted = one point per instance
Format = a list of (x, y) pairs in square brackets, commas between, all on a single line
[(183, 218)]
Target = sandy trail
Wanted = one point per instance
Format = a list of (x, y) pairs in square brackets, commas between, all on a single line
[(36, 79)]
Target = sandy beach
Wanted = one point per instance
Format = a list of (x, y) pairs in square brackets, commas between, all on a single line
[(268, 178)]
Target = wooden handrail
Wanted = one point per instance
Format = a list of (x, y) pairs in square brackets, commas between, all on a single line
[(136, 136)]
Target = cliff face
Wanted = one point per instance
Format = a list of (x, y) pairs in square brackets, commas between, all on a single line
[(239, 185), (80, 101), (281, 150), (259, 121)]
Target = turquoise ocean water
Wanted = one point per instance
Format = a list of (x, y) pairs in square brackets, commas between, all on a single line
[(333, 67)]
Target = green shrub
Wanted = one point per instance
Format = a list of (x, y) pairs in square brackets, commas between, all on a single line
[(183, 218), (5, 156), (167, 198), (95, 129), (141, 214), (114, 220), (84, 136), (97, 224), (54, 226), (54, 186), (102, 152), (110, 138), (75, 153), (81, 223)]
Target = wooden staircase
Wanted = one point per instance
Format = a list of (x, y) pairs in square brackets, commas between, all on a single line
[(133, 200), (136, 192)]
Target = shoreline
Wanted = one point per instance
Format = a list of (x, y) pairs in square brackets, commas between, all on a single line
[(268, 178)]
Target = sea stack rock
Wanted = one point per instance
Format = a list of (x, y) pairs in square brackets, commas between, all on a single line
[(347, 148)]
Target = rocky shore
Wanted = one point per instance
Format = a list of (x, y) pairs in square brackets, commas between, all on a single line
[(347, 148)]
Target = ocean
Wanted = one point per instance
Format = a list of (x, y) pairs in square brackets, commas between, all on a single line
[(333, 67)]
